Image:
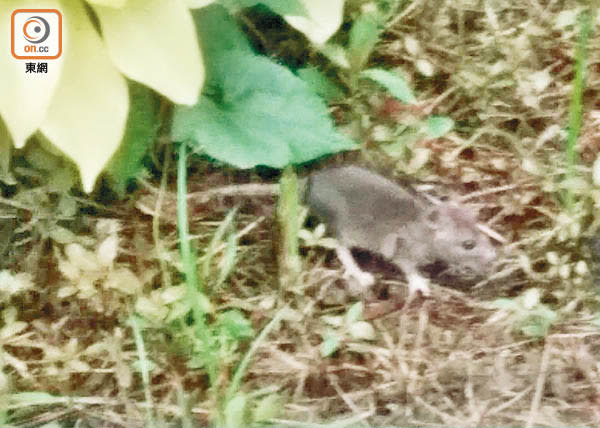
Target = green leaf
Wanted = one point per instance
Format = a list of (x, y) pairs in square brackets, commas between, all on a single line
[(215, 241), (234, 325), (331, 343), (140, 132), (229, 259), (235, 411), (254, 111), (538, 325), (23, 399), (354, 313), (336, 54), (395, 84), (438, 126), (281, 7), (286, 7), (506, 304), (267, 408), (363, 37), (267, 116), (320, 84), (218, 33)]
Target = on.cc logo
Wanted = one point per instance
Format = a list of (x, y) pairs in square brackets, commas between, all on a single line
[(36, 29)]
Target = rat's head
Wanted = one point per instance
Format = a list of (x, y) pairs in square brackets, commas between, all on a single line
[(458, 241)]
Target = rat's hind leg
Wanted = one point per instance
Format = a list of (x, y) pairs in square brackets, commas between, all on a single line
[(364, 279)]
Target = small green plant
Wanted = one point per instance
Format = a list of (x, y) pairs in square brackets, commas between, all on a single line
[(351, 58), (347, 327), (527, 314), (211, 338)]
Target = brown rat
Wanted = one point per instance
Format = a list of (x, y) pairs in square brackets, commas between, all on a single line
[(365, 210)]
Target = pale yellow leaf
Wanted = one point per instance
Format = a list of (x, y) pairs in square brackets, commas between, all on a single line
[(425, 67), (566, 18), (107, 226), (361, 330), (420, 156), (107, 251), (12, 329), (155, 42), (412, 45), (173, 294), (596, 172), (151, 309), (123, 280), (66, 291), (24, 98), (581, 268), (531, 298), (124, 375), (15, 283), (72, 346), (86, 286), (4, 384), (552, 257), (196, 4), (87, 116), (336, 54), (9, 315), (82, 258), (324, 18), (117, 4), (69, 270), (540, 80), (78, 366)]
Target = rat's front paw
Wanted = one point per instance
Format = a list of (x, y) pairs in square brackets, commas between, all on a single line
[(365, 279), (418, 283)]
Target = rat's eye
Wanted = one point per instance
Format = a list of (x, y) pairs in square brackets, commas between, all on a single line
[(469, 244)]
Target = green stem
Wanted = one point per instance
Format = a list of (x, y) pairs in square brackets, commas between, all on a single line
[(575, 109)]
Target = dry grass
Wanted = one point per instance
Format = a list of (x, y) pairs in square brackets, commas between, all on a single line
[(502, 72)]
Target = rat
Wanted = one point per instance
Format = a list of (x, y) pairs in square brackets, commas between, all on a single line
[(366, 210)]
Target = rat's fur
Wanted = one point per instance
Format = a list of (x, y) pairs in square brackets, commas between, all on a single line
[(366, 210)]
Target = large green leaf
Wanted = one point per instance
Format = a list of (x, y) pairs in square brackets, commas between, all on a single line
[(254, 111), (320, 84), (269, 117), (140, 132), (218, 33)]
